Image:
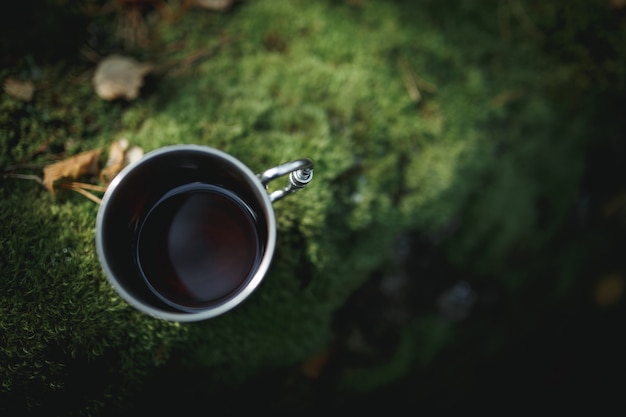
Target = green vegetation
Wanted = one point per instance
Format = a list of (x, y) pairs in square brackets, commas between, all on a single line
[(465, 121)]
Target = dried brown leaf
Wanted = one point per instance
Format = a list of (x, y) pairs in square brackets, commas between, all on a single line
[(314, 366), (215, 5), (119, 77), (115, 163), (609, 290), (617, 4), (120, 155), (134, 153), (18, 89), (84, 163)]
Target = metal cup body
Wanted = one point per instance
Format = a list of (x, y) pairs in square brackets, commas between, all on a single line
[(139, 186)]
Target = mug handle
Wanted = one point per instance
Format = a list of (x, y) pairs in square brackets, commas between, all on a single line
[(300, 173)]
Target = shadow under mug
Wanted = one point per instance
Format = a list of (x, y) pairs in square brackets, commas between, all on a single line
[(188, 232)]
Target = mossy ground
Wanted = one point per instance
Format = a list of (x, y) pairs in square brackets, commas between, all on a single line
[(482, 170)]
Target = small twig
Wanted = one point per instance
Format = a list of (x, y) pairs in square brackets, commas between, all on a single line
[(87, 186), (409, 81), (90, 196), (90, 54), (22, 166), (25, 177), (518, 11), (81, 188), (504, 18), (507, 97), (177, 67), (413, 82)]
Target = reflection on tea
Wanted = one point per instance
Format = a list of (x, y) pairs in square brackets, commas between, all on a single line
[(198, 245)]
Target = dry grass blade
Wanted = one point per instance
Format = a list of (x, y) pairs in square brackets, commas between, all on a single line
[(82, 188), (413, 83)]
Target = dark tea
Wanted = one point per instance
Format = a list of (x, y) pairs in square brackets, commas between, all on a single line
[(198, 245)]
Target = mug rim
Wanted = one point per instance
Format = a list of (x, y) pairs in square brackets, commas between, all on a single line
[(244, 291)]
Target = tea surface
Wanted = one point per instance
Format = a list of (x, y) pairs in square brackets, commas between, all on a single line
[(198, 245)]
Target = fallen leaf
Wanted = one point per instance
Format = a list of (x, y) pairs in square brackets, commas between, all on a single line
[(133, 154), (18, 89), (115, 163), (617, 4), (120, 155), (609, 290), (119, 77), (314, 367), (616, 205), (217, 5), (84, 163)]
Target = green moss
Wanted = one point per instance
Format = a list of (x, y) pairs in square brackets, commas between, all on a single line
[(285, 80), (56, 309)]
